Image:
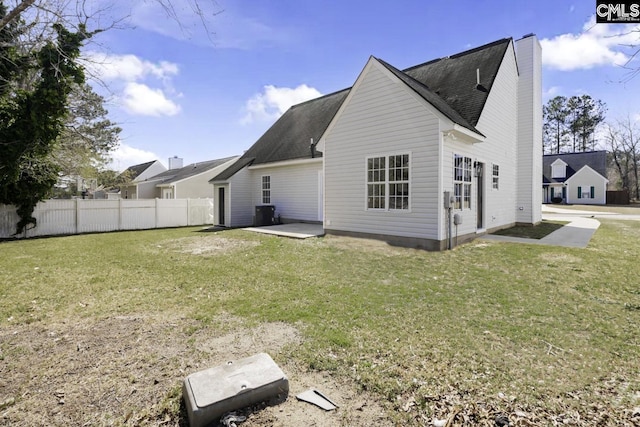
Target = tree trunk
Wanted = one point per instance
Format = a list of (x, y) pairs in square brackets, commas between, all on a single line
[(15, 12)]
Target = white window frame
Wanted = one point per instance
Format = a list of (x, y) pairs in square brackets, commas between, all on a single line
[(558, 170), (380, 184), (266, 189), (495, 177), (462, 178)]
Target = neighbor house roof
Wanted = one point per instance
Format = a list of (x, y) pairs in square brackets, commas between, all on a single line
[(175, 175), (135, 170), (449, 84), (596, 160), (233, 169)]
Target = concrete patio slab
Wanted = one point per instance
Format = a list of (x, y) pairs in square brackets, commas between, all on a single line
[(296, 230)]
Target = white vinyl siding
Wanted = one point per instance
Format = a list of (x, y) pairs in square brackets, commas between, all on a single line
[(499, 123), (529, 158), (382, 114), (241, 207), (580, 184), (294, 190)]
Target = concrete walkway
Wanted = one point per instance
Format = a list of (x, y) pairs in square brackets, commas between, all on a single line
[(577, 234), (296, 230)]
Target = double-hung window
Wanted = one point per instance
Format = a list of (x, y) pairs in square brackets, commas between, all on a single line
[(461, 182), (266, 190), (388, 182), (496, 177)]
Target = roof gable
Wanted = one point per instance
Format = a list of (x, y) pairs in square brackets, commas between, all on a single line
[(454, 78), (586, 169), (175, 175), (596, 160), (431, 97), (136, 170), (449, 84)]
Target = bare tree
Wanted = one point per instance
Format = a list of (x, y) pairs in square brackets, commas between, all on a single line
[(61, 9), (623, 141)]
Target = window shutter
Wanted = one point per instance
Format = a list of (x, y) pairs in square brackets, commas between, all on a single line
[(593, 192), (579, 192)]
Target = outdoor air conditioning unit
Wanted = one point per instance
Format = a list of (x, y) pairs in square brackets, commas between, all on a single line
[(265, 215)]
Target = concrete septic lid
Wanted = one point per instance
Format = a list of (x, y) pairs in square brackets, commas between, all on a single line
[(226, 381), (235, 385)]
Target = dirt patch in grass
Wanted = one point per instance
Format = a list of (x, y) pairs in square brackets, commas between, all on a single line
[(379, 247), (532, 232), (128, 370), (207, 245)]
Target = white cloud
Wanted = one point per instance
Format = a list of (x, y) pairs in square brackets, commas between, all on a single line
[(597, 45), (125, 156), (140, 99), (551, 92), (274, 101), (132, 79), (127, 67)]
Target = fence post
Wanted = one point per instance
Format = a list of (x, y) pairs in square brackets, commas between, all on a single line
[(157, 213), (119, 213), (77, 216)]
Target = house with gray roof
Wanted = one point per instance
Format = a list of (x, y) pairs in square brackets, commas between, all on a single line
[(144, 170), (575, 178), (138, 173), (440, 152), (188, 182)]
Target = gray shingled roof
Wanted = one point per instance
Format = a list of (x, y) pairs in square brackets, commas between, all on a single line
[(454, 78), (174, 175), (431, 97), (233, 169), (449, 84), (135, 170), (596, 160), (290, 136)]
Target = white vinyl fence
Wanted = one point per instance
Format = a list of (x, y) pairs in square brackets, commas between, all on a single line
[(77, 216)]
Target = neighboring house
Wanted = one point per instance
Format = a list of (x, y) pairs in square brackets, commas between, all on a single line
[(402, 155), (191, 181), (138, 173), (575, 178)]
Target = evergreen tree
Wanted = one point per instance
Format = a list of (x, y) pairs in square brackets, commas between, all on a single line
[(555, 126), (34, 91), (586, 115), (570, 124)]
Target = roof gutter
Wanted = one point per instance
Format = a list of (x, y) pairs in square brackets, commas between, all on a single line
[(286, 163), (457, 132)]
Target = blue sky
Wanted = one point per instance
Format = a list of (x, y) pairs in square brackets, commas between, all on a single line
[(176, 89)]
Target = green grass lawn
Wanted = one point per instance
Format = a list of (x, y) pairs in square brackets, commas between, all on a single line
[(549, 331)]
